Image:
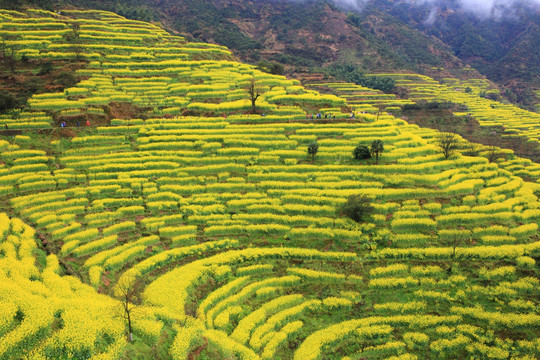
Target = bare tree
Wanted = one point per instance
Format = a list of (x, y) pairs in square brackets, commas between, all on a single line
[(493, 153), (455, 240), (448, 143), (254, 92), (126, 292)]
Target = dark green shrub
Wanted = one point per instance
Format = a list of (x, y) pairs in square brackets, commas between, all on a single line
[(312, 150), (361, 152), (66, 79), (7, 101), (357, 208), (46, 68)]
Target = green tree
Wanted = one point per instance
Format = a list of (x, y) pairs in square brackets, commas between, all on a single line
[(46, 68), (312, 150), (361, 152), (7, 101), (357, 208), (7, 53), (352, 73), (377, 147), (66, 79), (271, 67)]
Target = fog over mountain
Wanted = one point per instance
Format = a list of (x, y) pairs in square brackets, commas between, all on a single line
[(486, 9)]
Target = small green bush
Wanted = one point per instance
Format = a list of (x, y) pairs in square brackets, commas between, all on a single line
[(357, 208)]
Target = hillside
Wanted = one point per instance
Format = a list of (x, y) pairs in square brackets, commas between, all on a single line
[(297, 34), (503, 45), (166, 206), (452, 105), (384, 35)]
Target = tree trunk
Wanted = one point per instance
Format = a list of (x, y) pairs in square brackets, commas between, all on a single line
[(4, 57), (12, 60), (253, 106), (129, 327)]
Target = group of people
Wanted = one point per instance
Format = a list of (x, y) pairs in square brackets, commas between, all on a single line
[(63, 123), (320, 116), (328, 116)]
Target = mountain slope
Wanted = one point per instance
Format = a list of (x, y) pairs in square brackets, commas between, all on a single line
[(503, 45), (386, 35), (311, 33), (306, 33)]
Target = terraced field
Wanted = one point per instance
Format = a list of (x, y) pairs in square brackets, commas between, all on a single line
[(363, 99), (514, 121), (140, 64), (226, 238)]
